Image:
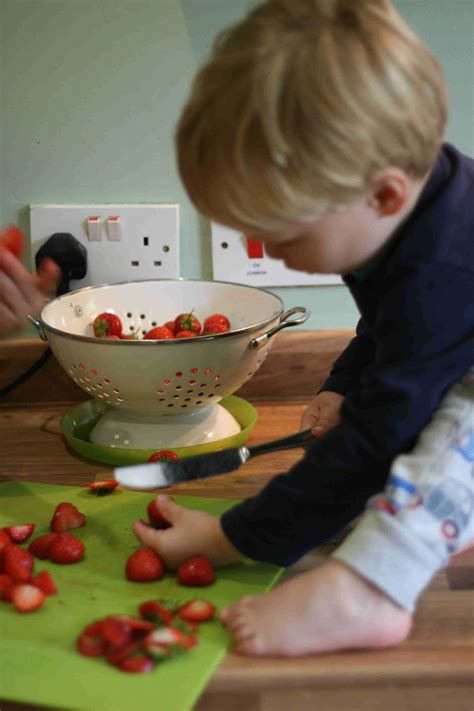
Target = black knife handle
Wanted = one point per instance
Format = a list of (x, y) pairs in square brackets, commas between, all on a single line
[(297, 439)]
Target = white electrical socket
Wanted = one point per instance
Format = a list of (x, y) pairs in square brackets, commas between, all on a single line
[(232, 262), (142, 244)]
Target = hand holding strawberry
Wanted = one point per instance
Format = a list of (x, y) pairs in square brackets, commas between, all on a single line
[(191, 532)]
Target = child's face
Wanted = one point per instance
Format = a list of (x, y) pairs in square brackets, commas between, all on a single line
[(338, 243)]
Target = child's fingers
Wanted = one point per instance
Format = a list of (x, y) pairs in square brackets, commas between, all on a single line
[(48, 276), (19, 286), (147, 535), (169, 508)]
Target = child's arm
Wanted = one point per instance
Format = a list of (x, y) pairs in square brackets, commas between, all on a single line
[(22, 293), (347, 368), (323, 413)]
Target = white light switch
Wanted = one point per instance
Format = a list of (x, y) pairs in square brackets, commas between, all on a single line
[(94, 229), (114, 229)]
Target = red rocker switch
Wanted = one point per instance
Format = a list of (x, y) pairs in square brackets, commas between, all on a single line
[(254, 248)]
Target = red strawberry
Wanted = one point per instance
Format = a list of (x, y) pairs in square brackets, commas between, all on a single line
[(216, 318), (170, 325), (157, 520), (196, 571), (185, 334), (21, 532), (102, 488), (12, 239), (6, 586), (138, 626), (154, 611), (91, 642), (65, 517), (197, 611), (163, 455), (44, 582), (137, 664), (159, 333), (66, 549), (119, 654), (107, 324), (18, 563), (41, 545), (27, 598), (214, 327), (115, 632), (166, 640), (145, 565), (5, 539), (187, 322)]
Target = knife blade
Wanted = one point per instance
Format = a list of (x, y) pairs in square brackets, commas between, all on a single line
[(157, 475)]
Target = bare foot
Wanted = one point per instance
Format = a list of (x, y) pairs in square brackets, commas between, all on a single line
[(326, 609)]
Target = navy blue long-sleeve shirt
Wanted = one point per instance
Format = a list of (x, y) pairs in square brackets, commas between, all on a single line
[(415, 338)]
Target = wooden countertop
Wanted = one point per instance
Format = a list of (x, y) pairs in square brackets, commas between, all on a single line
[(433, 669)]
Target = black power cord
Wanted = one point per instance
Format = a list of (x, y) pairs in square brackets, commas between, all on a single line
[(71, 256)]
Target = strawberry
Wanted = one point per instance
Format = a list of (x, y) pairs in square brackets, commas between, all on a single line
[(115, 632), (214, 327), (170, 325), (196, 571), (216, 318), (5, 539), (41, 545), (187, 322), (159, 333), (21, 532), (102, 488), (197, 611), (12, 239), (167, 640), (65, 517), (27, 598), (137, 664), (155, 612), (157, 520), (163, 455), (107, 324), (144, 565), (66, 549), (18, 563), (185, 334), (91, 642), (138, 626), (6, 586), (44, 582)]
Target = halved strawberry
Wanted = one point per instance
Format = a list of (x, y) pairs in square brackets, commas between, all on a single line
[(102, 488), (27, 598), (196, 571), (157, 520), (144, 565), (116, 632), (138, 664), (154, 611), (163, 455), (6, 586), (118, 655), (166, 641), (41, 545), (5, 539), (44, 582), (138, 626), (66, 548), (91, 642), (65, 517), (21, 532), (197, 611), (17, 562)]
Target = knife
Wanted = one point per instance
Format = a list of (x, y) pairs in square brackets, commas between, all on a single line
[(157, 475)]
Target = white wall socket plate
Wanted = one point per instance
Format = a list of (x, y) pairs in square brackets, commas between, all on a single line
[(142, 244), (231, 262)]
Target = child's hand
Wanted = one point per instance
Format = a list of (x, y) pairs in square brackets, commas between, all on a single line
[(191, 533), (22, 293), (323, 413)]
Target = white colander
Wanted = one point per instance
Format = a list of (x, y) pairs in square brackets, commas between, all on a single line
[(144, 381)]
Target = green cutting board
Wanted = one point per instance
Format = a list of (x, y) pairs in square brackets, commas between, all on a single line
[(39, 662)]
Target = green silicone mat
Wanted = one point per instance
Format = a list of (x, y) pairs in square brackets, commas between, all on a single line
[(39, 663)]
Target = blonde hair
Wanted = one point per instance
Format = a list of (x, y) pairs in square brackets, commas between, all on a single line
[(300, 104)]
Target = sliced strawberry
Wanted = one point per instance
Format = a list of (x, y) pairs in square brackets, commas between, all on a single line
[(5, 539), (102, 488), (18, 563), (118, 655), (154, 611), (196, 571), (21, 532), (138, 626), (145, 565), (66, 549), (137, 664), (44, 582), (157, 520), (27, 598), (65, 517), (6, 586), (167, 641), (163, 455), (116, 632), (41, 545), (197, 611), (91, 642)]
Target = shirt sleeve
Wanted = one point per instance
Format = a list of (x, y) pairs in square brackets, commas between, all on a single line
[(424, 342), (346, 370)]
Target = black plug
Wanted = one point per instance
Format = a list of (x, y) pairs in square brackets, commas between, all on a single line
[(69, 254)]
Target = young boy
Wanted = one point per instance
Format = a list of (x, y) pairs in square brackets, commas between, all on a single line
[(317, 126)]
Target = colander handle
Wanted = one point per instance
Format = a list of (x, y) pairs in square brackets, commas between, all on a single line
[(285, 322), (38, 327)]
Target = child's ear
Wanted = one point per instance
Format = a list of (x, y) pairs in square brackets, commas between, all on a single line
[(389, 193)]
